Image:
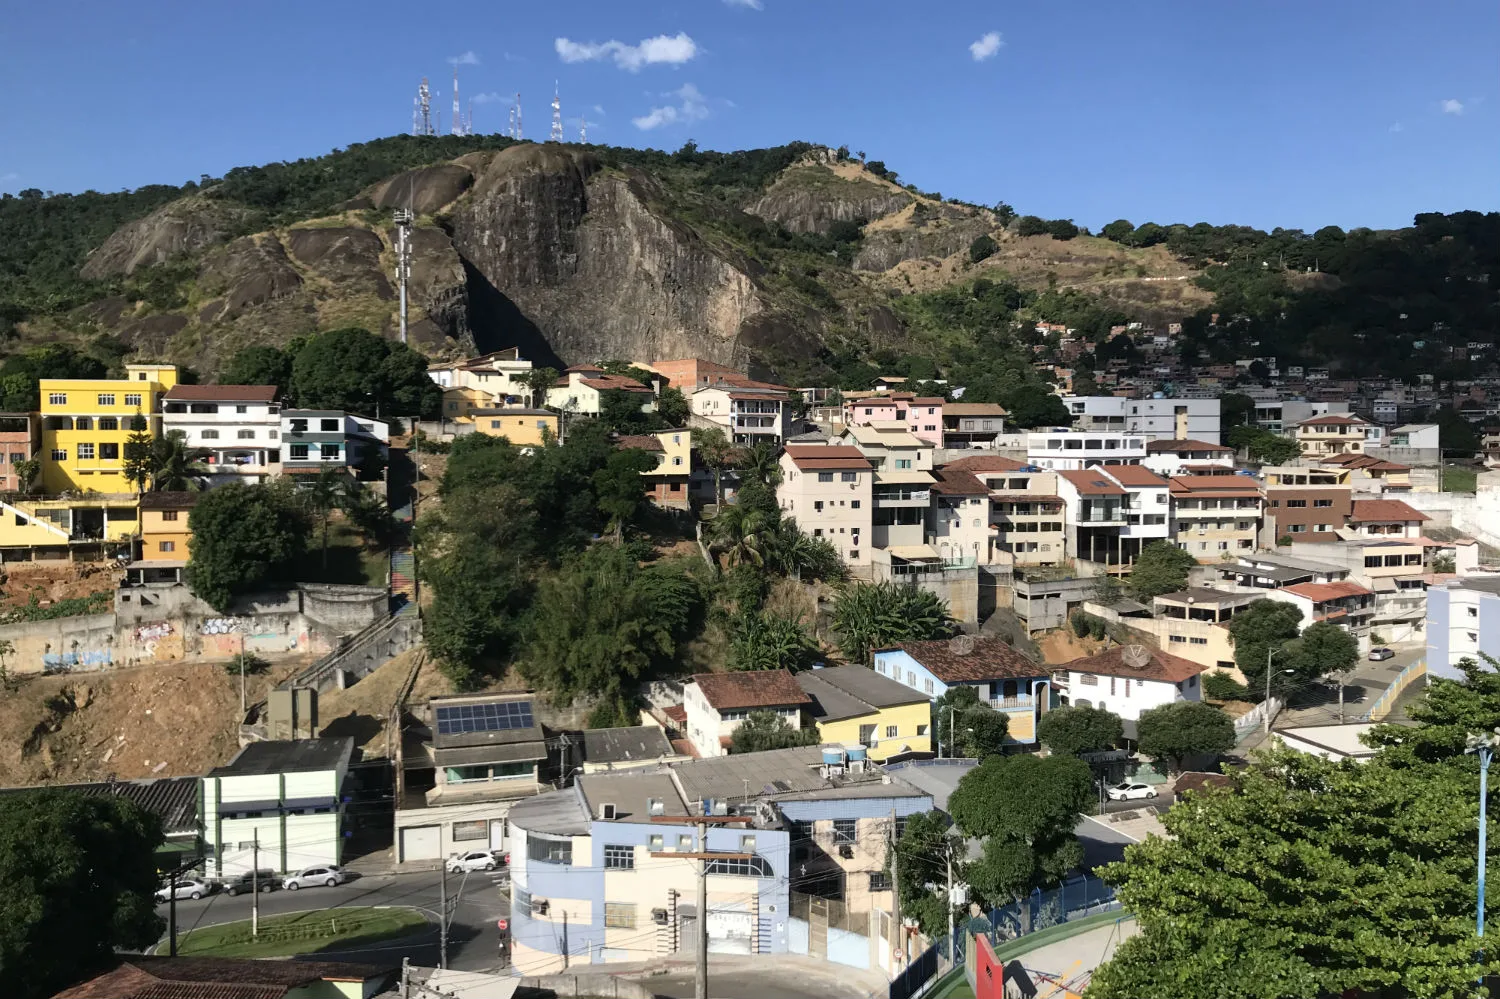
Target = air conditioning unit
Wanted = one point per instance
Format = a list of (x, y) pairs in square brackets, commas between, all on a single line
[(607, 811), (654, 806), (846, 850), (539, 906), (659, 917)]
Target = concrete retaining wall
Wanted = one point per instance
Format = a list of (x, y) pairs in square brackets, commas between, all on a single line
[(598, 985)]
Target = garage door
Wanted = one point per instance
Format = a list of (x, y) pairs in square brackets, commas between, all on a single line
[(497, 834), (729, 931), (421, 843)]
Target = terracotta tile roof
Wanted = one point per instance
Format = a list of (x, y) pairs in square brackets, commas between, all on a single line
[(984, 463), (970, 658), (169, 501), (762, 688), (814, 457), (677, 713), (1187, 444), (1366, 511), (1333, 419), (216, 978), (1134, 475), (583, 367), (742, 381), (1221, 485), (1200, 781), (645, 442), (951, 483), (974, 409), (1092, 483), (1319, 592), (222, 393), (1159, 665), (606, 383), (935, 400)]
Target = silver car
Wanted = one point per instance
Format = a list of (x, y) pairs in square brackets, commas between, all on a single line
[(185, 888), (327, 875)]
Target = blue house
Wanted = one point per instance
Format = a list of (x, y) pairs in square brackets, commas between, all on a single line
[(1003, 678)]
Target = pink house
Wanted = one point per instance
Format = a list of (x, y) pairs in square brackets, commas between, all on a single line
[(921, 415)]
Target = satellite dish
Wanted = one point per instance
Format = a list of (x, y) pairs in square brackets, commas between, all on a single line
[(1136, 656), (961, 645)]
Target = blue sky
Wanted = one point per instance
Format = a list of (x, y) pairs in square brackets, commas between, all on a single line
[(1267, 112)]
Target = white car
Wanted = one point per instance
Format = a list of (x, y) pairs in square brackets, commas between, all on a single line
[(474, 860), (325, 874), (186, 888), (1131, 789)]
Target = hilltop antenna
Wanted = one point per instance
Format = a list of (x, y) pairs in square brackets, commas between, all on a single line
[(557, 128), (583, 131), (510, 127), (424, 105), (519, 131), (416, 116), (458, 117), (469, 119), (403, 220)]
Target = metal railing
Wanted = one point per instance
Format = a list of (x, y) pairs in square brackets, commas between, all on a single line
[(1386, 702)]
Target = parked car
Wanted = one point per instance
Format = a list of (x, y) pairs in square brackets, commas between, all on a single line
[(186, 888), (1131, 789), (252, 881), (1381, 655), (473, 860), (324, 874)]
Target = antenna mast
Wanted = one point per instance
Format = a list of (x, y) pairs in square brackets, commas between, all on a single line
[(469, 119), (583, 130), (557, 126), (519, 131), (458, 117), (403, 220), (424, 106)]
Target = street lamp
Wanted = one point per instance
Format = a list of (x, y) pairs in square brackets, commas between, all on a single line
[(1484, 745), (1266, 703)]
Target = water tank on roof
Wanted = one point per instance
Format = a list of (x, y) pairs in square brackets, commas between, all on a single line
[(833, 756), (856, 753)]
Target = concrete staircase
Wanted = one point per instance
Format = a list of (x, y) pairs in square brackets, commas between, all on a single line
[(403, 581)]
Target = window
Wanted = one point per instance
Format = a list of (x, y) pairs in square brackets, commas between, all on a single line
[(755, 867), (298, 452), (1296, 504), (677, 460), (1088, 679), (475, 829), (927, 688), (242, 409), (747, 844), (57, 398), (619, 858), (854, 504), (880, 881), (844, 830), (684, 844), (17, 456), (620, 915), (166, 546), (328, 452), (546, 850), (903, 463), (921, 730), (655, 844), (245, 435), (109, 423), (1296, 528), (825, 476), (106, 398), (132, 398), (210, 435), (848, 476), (59, 454), (890, 731), (329, 426), (169, 515), (1323, 502), (299, 426), (83, 423), (85, 452), (866, 734)]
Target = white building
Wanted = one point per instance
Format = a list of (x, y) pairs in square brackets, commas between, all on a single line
[(1463, 619), (1154, 419), (716, 703), (502, 374), (580, 390), (238, 426), (829, 489), (1187, 457), (276, 806), (1061, 449), (1127, 680), (748, 412), (317, 439)]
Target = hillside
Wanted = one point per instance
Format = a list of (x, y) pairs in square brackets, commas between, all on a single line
[(797, 260)]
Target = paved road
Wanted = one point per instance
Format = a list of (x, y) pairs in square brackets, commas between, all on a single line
[(781, 976), (1362, 687), (472, 933)]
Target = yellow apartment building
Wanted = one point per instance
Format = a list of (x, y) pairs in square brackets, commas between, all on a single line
[(164, 525), (522, 427), (86, 422), (53, 527), (856, 706)]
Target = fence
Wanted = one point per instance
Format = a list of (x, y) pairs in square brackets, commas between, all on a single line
[(917, 975), (1255, 720), (1386, 702)]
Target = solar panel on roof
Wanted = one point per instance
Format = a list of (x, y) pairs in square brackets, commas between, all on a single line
[(495, 717)]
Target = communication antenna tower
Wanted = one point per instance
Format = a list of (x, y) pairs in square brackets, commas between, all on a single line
[(458, 118), (510, 128), (469, 119), (424, 107), (416, 116), (520, 132), (557, 128), (403, 220), (583, 130)]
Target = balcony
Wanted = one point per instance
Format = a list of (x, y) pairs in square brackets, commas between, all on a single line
[(1022, 703), (903, 497)]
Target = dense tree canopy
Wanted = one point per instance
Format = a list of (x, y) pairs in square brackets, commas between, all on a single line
[(1160, 568), (261, 366), (244, 538), (1264, 627), (1073, 730), (966, 727), (870, 616), (765, 730), (77, 875), (356, 371), (1173, 732)]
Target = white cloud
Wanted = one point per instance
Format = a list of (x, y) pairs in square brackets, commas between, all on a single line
[(691, 106), (672, 50), (1451, 106), (6, 178), (466, 59), (598, 109), (491, 98), (986, 46), (752, 4), (1396, 127)]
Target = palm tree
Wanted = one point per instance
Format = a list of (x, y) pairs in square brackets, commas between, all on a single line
[(324, 494), (370, 514), (177, 467), (741, 534), (716, 452), (868, 617), (761, 463)]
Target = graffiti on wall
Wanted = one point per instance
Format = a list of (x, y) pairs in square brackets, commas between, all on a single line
[(220, 626), (88, 659), (149, 637)]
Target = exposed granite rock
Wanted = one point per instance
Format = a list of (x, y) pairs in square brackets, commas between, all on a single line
[(183, 226), (423, 190), (812, 199), (251, 270), (939, 232), (438, 284), (347, 256)]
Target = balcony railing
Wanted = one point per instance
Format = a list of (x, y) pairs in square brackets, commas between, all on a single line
[(920, 495), (1012, 703)]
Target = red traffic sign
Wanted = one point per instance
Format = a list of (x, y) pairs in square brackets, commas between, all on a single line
[(502, 924)]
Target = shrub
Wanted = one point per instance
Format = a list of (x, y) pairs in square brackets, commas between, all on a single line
[(1222, 687), (1080, 622), (982, 248)]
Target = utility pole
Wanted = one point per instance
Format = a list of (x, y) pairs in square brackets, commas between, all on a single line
[(443, 917), (255, 885), (172, 916), (242, 676), (700, 976), (405, 978), (898, 945), (952, 943), (565, 939)]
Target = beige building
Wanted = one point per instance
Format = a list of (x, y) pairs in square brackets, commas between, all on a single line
[(829, 489), (1194, 624), (749, 412), (716, 704), (499, 377), (1331, 434), (1025, 515), (581, 390), (1215, 517)]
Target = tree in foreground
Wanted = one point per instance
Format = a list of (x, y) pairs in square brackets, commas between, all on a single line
[(175, 466), (764, 730), (1307, 879), (1321, 649), (1070, 731), (244, 537), (967, 727), (1264, 627), (76, 881), (921, 853), (260, 366), (1161, 567), (717, 454), (1176, 731), (139, 453), (1025, 809), (870, 616)]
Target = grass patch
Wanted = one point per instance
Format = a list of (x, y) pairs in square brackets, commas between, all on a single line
[(301, 933), (1459, 478), (349, 561)]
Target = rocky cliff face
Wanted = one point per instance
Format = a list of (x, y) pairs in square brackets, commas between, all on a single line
[(183, 226), (924, 230), (812, 198), (582, 257)]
